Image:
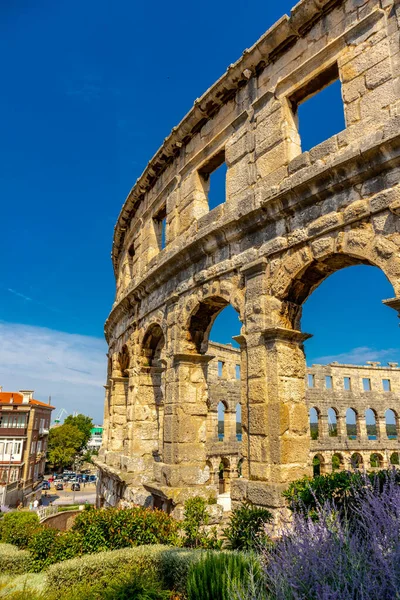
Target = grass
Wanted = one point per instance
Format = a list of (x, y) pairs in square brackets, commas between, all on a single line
[(29, 583)]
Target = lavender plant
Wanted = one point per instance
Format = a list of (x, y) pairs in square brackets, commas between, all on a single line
[(337, 558)]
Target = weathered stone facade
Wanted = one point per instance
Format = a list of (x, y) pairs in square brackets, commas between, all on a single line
[(377, 400), (289, 220)]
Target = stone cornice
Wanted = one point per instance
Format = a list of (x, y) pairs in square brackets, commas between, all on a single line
[(270, 45), (346, 168)]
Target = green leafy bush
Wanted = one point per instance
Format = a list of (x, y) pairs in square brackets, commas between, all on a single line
[(341, 487), (49, 546), (218, 575), (104, 564), (194, 524), (14, 561), (112, 528), (245, 530), (174, 567), (18, 527)]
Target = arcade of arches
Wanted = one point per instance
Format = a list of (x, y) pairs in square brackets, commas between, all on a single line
[(289, 219)]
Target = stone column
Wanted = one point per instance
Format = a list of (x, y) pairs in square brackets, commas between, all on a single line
[(146, 412), (381, 427), (106, 422), (341, 427), (362, 427), (185, 421), (323, 426), (119, 394)]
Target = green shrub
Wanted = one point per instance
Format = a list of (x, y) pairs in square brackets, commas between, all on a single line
[(13, 561), (104, 564), (245, 530), (112, 528), (49, 546), (174, 567), (218, 575), (341, 487), (194, 524), (18, 527)]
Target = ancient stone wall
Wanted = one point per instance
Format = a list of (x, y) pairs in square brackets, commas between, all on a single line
[(289, 219)]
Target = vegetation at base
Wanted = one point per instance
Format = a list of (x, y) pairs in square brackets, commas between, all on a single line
[(17, 528), (195, 521), (114, 528), (14, 561), (342, 488), (246, 528), (216, 576)]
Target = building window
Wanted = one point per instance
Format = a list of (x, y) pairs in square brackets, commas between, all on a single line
[(237, 371), (366, 382), (39, 446), (213, 178), (386, 385), (33, 447), (311, 380), (347, 383), (309, 106), (328, 382), (220, 368), (17, 447)]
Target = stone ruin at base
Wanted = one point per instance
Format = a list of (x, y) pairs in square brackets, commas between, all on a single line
[(290, 219)]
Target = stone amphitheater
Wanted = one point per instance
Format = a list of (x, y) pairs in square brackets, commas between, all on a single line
[(289, 220)]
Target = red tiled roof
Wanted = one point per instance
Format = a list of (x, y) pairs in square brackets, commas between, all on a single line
[(16, 398)]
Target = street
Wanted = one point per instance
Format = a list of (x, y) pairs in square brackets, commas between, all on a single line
[(67, 496)]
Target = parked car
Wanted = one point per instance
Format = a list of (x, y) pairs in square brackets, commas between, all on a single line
[(59, 486), (92, 478), (76, 487), (45, 485)]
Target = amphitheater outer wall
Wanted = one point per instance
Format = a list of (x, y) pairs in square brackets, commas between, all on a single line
[(289, 220)]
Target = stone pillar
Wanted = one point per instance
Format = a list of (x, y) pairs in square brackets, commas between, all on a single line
[(276, 434), (323, 426), (106, 422), (119, 395), (230, 426), (362, 427), (381, 427), (185, 421), (341, 427), (146, 408)]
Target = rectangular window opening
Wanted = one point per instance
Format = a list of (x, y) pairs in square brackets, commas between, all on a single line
[(347, 383), (160, 226), (328, 382), (311, 380), (213, 177), (237, 371), (366, 382), (318, 108), (220, 368), (386, 385)]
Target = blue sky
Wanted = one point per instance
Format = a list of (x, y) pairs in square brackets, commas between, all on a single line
[(89, 91)]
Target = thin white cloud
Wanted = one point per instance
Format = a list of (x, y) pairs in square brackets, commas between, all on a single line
[(359, 356), (68, 367)]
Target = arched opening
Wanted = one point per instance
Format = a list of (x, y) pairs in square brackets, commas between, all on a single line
[(124, 361), (318, 464), (337, 462), (351, 424), (332, 422), (149, 411), (376, 460), (314, 423), (224, 476), (221, 421), (391, 421), (394, 459), (152, 347), (370, 421), (356, 461), (238, 422)]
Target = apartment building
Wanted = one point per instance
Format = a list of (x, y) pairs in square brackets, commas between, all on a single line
[(24, 429)]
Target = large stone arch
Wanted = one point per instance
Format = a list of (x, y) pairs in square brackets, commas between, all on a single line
[(302, 271)]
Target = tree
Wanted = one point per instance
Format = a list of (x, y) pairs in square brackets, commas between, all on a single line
[(65, 442), (84, 424)]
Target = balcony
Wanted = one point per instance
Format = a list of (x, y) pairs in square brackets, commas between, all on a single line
[(16, 432), (43, 431)]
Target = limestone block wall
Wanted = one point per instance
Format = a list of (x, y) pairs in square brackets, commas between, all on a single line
[(289, 219)]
